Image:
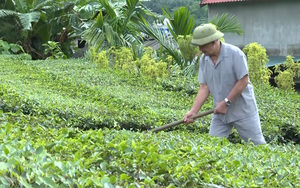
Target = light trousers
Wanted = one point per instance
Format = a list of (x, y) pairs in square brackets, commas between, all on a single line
[(248, 128)]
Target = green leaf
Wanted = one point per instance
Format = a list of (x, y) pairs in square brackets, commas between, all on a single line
[(103, 165), (113, 179), (21, 5), (96, 181), (39, 150), (6, 150), (77, 156), (227, 24), (124, 177), (24, 183), (28, 18), (48, 181), (5, 183), (133, 144), (236, 163), (4, 13), (13, 161), (3, 166), (104, 180)]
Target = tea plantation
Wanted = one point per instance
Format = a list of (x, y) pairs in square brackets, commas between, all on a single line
[(67, 123)]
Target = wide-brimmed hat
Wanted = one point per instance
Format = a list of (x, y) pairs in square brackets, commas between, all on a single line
[(204, 34)]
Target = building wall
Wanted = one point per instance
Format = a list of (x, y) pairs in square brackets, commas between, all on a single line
[(273, 24)]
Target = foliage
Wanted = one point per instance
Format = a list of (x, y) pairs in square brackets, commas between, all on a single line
[(35, 156), (227, 24), (285, 78), (75, 93), (257, 59), (169, 46), (191, 55), (122, 59), (150, 68), (14, 51), (200, 14), (116, 24), (181, 23), (40, 22), (188, 51), (100, 58), (53, 50), (9, 32), (137, 51), (10, 48)]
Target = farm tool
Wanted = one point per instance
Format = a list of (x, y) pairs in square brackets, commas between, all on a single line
[(181, 121)]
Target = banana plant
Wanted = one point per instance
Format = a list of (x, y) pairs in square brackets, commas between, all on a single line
[(41, 21), (25, 19)]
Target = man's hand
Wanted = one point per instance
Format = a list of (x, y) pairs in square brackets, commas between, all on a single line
[(221, 108), (187, 118)]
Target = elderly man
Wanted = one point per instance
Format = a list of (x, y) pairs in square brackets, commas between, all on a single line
[(223, 73)]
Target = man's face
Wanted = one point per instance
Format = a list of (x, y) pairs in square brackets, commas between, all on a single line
[(207, 49)]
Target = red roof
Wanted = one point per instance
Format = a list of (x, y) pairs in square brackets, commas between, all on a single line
[(206, 2)]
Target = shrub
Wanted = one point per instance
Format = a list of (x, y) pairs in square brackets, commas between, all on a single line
[(257, 59), (189, 52), (53, 50), (120, 56), (92, 54), (102, 60), (86, 97), (150, 68), (9, 48), (285, 78), (99, 58)]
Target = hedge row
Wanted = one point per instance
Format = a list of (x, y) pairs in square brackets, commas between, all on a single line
[(75, 93), (35, 156)]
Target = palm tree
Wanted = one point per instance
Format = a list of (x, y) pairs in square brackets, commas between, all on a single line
[(180, 25), (116, 24), (227, 24)]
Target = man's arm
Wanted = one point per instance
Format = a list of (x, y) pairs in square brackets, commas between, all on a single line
[(202, 96), (238, 88)]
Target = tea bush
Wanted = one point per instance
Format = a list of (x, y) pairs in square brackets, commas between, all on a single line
[(54, 117), (78, 94), (35, 156)]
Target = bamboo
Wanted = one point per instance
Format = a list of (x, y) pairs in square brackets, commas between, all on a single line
[(181, 121)]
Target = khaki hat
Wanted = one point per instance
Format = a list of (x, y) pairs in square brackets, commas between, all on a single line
[(204, 34)]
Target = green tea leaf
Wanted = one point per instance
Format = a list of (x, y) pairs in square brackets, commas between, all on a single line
[(6, 150), (39, 150), (112, 179), (3, 166), (24, 183), (104, 180), (49, 182)]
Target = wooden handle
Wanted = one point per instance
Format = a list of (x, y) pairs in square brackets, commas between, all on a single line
[(181, 121)]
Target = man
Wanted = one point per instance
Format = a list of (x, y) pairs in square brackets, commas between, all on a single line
[(223, 73)]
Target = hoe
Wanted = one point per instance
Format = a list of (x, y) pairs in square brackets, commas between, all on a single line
[(181, 121)]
